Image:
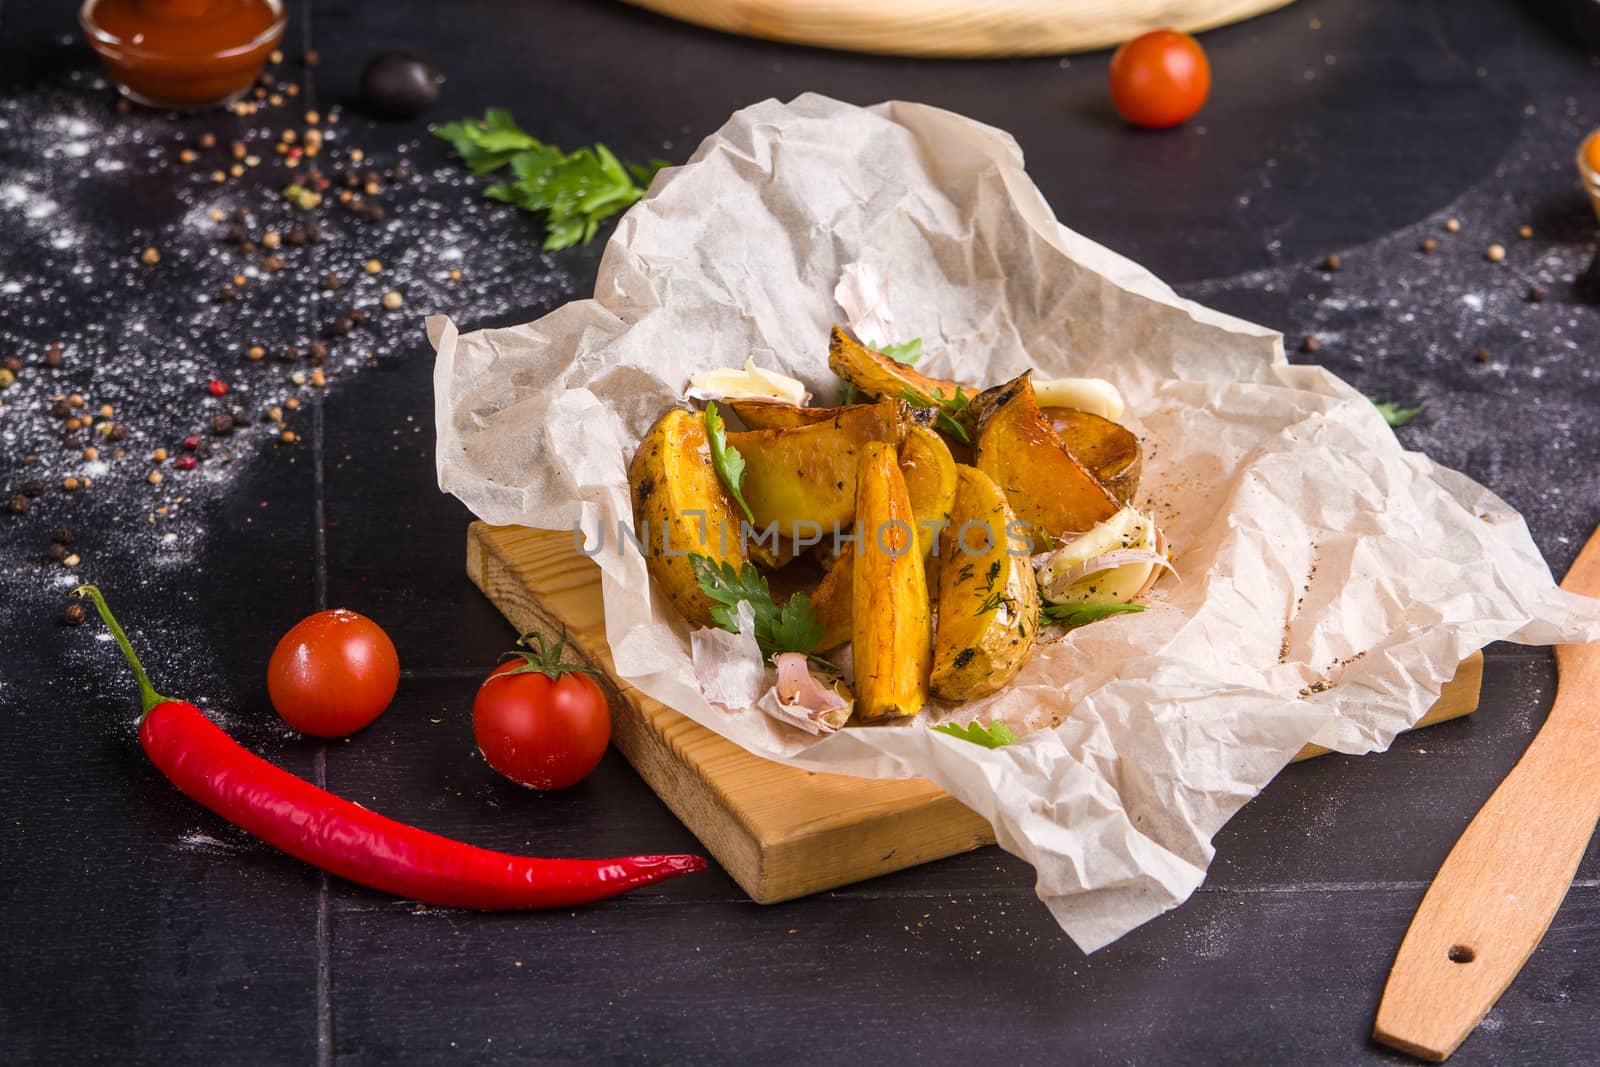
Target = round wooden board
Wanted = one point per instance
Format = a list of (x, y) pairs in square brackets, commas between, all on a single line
[(958, 28)]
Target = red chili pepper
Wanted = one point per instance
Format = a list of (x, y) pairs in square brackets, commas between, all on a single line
[(348, 840)]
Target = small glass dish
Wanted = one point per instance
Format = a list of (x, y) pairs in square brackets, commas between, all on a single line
[(181, 79)]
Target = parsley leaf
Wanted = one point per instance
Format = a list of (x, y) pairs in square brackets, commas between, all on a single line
[(996, 735), (726, 459), (575, 191), (948, 409), (1074, 615), (850, 395), (793, 628), (907, 353), (1393, 413)]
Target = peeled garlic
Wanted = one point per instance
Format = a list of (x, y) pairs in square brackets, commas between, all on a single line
[(751, 383), (1111, 564), (1094, 395)]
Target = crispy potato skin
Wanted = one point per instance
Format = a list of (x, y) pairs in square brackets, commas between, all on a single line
[(776, 415), (807, 474), (890, 619), (930, 474), (671, 474), (988, 600), (1108, 449), (1046, 487), (877, 375)]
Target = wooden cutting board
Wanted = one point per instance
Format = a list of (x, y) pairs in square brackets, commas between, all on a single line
[(958, 28), (780, 832)]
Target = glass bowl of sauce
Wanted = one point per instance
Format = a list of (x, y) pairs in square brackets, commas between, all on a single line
[(187, 55)]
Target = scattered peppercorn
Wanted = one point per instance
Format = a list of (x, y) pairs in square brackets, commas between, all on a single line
[(357, 316), (393, 300), (74, 614), (64, 536), (296, 235), (1429, 244), (274, 414), (290, 354), (185, 463), (331, 282), (53, 357), (1495, 253), (154, 478), (272, 264), (1310, 344), (1331, 263), (159, 455), (222, 425), (19, 504), (292, 404), (318, 378), (217, 387), (75, 400), (56, 552), (339, 326), (70, 483), (227, 294), (454, 275), (208, 140), (1481, 355), (373, 266), (1525, 232), (33, 488), (311, 60), (287, 437), (118, 432), (91, 453), (1453, 225), (8, 377), (255, 352), (1536, 294)]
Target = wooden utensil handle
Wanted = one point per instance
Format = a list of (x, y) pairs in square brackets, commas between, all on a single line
[(1497, 891)]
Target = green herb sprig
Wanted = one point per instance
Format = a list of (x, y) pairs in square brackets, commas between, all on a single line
[(1074, 615), (948, 409), (728, 461), (575, 191), (996, 735), (1393, 413), (791, 628), (907, 353)]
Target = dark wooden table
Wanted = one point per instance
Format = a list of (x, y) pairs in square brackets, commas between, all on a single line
[(138, 928)]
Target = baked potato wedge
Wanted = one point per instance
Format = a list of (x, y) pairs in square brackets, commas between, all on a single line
[(807, 474), (891, 627), (1108, 449), (776, 415), (988, 597), (831, 601), (1046, 487), (680, 507), (930, 474), (877, 375)]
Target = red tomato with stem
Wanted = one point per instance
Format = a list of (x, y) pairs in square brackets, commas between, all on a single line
[(333, 673), (539, 721), (1160, 79)]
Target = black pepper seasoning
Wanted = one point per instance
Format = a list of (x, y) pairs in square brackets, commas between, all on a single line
[(74, 614), (64, 536), (33, 488), (222, 425), (290, 354), (56, 552), (1331, 263), (318, 352), (1536, 294), (19, 504)]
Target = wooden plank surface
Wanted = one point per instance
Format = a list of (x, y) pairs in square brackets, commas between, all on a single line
[(779, 831), (958, 28)]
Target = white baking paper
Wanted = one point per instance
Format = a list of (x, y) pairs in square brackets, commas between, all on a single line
[(1331, 581)]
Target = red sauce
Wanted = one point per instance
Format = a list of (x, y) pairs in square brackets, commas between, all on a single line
[(183, 53)]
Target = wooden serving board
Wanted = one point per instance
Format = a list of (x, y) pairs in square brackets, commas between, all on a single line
[(958, 28), (780, 832)]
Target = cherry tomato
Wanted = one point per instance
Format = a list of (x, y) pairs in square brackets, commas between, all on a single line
[(1160, 79), (540, 722), (333, 673)]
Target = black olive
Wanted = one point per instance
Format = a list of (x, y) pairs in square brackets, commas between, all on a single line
[(399, 85)]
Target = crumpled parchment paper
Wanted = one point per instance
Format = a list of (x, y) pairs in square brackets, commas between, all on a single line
[(1331, 581)]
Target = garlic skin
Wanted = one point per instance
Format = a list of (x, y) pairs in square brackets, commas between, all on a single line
[(1094, 395), (1114, 563), (751, 383)]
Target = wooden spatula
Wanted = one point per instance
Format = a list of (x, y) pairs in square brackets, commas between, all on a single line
[(1500, 886)]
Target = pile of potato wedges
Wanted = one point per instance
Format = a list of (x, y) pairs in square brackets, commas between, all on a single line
[(948, 492)]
